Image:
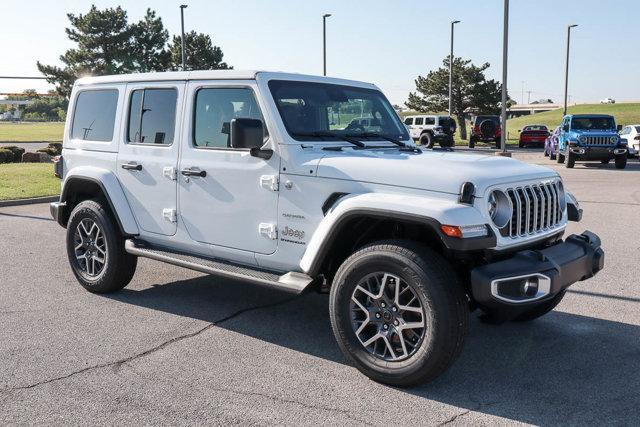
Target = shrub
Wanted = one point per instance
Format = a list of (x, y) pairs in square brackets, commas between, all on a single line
[(16, 152), (56, 146), (6, 156), (50, 151)]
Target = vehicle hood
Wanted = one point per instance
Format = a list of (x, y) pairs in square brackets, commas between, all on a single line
[(430, 170), (594, 132)]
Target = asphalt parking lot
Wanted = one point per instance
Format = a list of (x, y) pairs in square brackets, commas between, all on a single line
[(179, 347)]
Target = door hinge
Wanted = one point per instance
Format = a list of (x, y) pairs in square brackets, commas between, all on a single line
[(170, 172), (270, 182), (268, 230), (170, 215)]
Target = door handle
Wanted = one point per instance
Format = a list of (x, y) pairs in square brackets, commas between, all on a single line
[(132, 166), (191, 172)]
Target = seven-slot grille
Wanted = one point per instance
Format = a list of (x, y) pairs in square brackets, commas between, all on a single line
[(598, 140), (536, 208)]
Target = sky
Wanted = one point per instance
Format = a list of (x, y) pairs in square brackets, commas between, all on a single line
[(385, 42)]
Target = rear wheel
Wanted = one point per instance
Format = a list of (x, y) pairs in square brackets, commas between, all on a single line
[(621, 161), (95, 249), (398, 312), (552, 156), (472, 142), (426, 140)]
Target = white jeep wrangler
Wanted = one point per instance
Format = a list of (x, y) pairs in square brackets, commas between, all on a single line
[(248, 175)]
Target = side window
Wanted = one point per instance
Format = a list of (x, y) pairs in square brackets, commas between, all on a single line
[(419, 121), (625, 131), (152, 116), (94, 115), (215, 108), (429, 120), (408, 121), (565, 127)]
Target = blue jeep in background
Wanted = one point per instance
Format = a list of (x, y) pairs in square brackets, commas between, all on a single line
[(590, 137)]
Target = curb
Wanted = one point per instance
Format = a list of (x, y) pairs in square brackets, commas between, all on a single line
[(32, 201)]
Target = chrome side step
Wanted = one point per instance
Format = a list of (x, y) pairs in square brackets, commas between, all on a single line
[(291, 282)]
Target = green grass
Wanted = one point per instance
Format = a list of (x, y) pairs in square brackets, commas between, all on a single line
[(625, 114), (25, 180), (26, 131)]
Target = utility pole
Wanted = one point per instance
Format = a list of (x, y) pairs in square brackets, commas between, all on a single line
[(451, 68), (522, 94), (324, 43), (529, 96), (566, 68), (184, 53), (505, 49)]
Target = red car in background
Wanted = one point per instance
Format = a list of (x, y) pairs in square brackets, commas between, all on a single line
[(533, 136)]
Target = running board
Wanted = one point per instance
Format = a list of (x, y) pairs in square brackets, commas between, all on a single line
[(291, 282)]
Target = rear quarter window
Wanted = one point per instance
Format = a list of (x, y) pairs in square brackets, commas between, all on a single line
[(94, 115)]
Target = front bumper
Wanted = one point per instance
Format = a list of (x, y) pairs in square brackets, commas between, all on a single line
[(530, 277), (597, 153)]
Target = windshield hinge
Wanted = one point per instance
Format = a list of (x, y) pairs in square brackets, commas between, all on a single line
[(270, 182)]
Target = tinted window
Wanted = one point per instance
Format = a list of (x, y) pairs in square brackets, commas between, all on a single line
[(408, 121), (637, 128), (215, 108), (95, 115), (152, 116), (419, 120), (429, 120), (588, 123)]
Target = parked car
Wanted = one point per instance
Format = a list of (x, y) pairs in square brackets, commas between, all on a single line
[(608, 101), (240, 174), (631, 134), (588, 137), (485, 129), (430, 129), (533, 135), (551, 143)]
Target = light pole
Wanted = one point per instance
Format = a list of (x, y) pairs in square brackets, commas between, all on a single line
[(184, 53), (505, 48), (566, 68), (451, 67), (324, 43)]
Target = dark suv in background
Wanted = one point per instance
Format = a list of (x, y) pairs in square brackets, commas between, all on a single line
[(485, 129)]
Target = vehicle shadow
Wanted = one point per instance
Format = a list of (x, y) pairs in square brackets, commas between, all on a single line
[(561, 369)]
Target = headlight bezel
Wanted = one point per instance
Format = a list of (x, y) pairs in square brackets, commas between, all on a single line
[(499, 208), (614, 139)]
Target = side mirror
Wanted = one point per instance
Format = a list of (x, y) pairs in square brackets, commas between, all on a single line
[(519, 130), (619, 128), (246, 133)]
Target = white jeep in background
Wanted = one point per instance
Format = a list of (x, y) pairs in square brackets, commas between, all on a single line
[(246, 175), (429, 130)]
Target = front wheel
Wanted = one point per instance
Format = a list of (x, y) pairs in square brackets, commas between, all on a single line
[(571, 160), (95, 249), (472, 142), (621, 161), (398, 312)]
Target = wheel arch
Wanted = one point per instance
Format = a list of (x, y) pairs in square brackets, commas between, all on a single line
[(89, 183)]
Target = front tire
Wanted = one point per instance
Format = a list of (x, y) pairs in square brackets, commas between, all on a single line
[(472, 142), (560, 158), (95, 249), (571, 160), (621, 161), (398, 312)]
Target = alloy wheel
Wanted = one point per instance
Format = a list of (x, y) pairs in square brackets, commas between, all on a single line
[(90, 247), (388, 317)]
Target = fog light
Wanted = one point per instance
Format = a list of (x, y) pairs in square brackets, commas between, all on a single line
[(530, 287)]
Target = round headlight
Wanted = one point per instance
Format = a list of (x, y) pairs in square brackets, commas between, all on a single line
[(499, 208), (583, 139), (613, 139), (562, 196)]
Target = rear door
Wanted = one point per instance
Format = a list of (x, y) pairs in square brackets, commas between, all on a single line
[(148, 154)]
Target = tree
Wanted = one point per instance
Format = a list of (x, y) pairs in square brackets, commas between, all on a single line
[(471, 91), (149, 40), (104, 46), (201, 53)]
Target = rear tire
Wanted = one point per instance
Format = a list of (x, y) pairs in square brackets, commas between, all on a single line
[(472, 142), (95, 249), (621, 161), (552, 156), (426, 140), (423, 288), (540, 310)]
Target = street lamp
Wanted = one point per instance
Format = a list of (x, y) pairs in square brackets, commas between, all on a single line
[(184, 53), (451, 65), (324, 43), (566, 68), (505, 49)]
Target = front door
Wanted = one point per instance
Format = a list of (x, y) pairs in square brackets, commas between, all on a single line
[(227, 197), (148, 154)]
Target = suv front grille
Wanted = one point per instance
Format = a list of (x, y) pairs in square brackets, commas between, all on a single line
[(536, 209), (598, 140)]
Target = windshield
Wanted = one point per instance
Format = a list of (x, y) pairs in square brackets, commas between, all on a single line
[(593, 123), (312, 111)]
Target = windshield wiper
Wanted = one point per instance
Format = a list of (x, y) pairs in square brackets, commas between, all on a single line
[(376, 135), (321, 134)]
